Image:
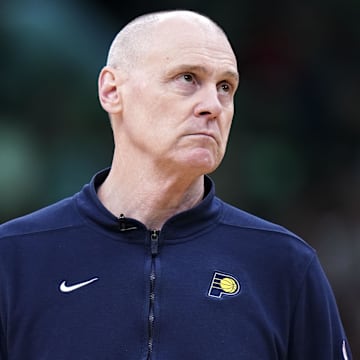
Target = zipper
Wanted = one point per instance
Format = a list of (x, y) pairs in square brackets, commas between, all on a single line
[(123, 225), (154, 246)]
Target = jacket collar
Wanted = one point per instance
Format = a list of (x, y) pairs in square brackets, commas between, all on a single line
[(181, 226)]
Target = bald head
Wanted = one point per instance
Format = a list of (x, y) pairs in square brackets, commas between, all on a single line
[(169, 89), (131, 43)]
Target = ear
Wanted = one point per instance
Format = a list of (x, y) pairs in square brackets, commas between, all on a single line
[(108, 88)]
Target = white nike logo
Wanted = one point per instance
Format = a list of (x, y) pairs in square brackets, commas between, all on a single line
[(344, 352), (68, 288)]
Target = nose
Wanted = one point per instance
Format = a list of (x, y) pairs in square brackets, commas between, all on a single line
[(208, 104)]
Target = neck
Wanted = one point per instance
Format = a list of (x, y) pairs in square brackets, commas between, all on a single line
[(151, 199)]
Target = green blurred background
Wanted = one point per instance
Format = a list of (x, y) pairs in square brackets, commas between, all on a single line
[(294, 152)]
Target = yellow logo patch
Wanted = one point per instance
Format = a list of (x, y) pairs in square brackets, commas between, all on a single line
[(223, 285)]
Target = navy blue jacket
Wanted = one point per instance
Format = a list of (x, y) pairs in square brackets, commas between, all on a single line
[(77, 283)]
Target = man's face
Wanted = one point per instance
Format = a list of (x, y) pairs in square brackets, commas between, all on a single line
[(178, 101)]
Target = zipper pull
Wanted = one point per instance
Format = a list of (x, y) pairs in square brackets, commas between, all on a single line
[(123, 225), (154, 242)]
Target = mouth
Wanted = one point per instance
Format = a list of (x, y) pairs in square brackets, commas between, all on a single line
[(204, 135)]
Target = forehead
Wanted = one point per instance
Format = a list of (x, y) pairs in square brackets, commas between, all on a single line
[(179, 40)]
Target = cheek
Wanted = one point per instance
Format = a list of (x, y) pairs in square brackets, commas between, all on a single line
[(139, 104), (151, 100), (225, 127)]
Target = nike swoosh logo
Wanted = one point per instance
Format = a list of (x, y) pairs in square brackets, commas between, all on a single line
[(344, 352), (69, 288)]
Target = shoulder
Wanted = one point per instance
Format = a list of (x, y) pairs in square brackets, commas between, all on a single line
[(233, 216), (56, 216), (264, 232)]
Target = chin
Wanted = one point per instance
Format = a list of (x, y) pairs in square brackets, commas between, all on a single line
[(202, 162)]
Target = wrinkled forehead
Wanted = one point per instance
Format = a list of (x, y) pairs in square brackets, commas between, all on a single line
[(169, 33), (184, 29), (175, 35)]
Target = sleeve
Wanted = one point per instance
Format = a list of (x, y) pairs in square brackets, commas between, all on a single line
[(316, 329), (2, 341), (3, 345), (2, 350)]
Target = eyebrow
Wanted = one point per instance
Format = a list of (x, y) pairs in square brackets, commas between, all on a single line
[(202, 69)]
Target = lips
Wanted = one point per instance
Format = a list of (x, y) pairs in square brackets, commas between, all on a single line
[(212, 137), (205, 134)]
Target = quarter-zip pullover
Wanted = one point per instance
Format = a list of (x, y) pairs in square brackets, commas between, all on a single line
[(78, 283)]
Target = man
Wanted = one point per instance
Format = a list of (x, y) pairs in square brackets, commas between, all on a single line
[(145, 262)]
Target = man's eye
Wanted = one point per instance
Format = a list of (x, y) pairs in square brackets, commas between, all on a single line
[(225, 87), (188, 77)]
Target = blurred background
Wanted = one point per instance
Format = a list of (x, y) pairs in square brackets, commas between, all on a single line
[(294, 152)]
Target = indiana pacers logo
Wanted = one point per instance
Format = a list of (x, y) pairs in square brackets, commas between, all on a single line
[(223, 285)]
